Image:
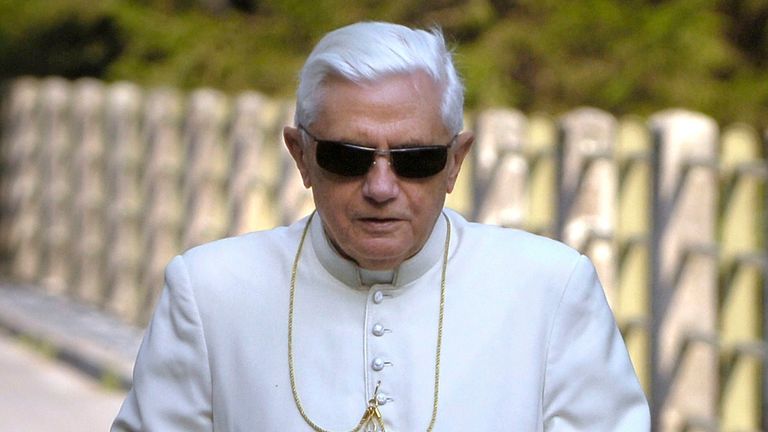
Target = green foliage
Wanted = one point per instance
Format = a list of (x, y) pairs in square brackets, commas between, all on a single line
[(44, 38), (635, 56)]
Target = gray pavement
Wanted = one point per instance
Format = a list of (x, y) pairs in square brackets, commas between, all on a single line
[(92, 340), (64, 366), (42, 394)]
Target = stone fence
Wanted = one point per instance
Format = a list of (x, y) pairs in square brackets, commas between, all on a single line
[(103, 183)]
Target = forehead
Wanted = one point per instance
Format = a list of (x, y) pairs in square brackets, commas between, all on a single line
[(396, 107)]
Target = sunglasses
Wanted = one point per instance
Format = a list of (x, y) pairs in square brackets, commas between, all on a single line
[(350, 160)]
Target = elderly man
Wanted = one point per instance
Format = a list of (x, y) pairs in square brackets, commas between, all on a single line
[(382, 310)]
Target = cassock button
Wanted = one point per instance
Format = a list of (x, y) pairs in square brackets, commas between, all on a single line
[(378, 297), (377, 364), (378, 330), (382, 399)]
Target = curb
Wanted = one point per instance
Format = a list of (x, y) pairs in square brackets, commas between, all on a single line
[(92, 341)]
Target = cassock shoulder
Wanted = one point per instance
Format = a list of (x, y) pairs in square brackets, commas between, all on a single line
[(256, 251), (245, 261), (514, 248)]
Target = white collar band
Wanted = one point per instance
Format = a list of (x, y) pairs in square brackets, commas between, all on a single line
[(352, 275)]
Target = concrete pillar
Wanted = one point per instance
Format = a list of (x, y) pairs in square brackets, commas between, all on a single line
[(21, 187), (123, 210), (255, 163), (55, 160), (87, 279), (501, 169), (206, 167), (684, 257), (162, 206), (588, 188)]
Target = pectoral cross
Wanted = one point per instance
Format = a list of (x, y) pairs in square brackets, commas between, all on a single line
[(372, 420)]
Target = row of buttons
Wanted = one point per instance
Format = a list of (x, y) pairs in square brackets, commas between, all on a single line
[(378, 329), (378, 363)]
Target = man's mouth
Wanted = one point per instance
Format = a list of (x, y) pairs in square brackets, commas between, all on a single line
[(379, 221)]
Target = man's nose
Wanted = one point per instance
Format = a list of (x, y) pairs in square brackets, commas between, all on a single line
[(381, 182)]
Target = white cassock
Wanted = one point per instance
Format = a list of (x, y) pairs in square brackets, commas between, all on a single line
[(529, 342)]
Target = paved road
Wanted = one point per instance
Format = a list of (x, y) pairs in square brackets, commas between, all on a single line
[(38, 394)]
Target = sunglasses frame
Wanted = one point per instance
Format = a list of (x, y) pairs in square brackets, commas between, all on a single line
[(391, 155)]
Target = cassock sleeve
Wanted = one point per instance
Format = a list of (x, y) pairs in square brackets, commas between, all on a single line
[(590, 384), (171, 378)]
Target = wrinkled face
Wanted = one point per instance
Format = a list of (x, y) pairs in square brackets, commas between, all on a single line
[(378, 219)]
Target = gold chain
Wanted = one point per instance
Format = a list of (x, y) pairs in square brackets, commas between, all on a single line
[(371, 413)]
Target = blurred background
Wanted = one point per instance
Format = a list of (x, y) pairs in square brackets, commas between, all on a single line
[(634, 131), (635, 56)]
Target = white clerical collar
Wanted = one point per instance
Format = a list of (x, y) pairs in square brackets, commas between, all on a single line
[(352, 275)]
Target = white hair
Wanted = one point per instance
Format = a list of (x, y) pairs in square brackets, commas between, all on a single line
[(367, 51)]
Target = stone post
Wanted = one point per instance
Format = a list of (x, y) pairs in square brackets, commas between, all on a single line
[(588, 188), (206, 167), (88, 181), (123, 159), (255, 165), (21, 187), (55, 160), (501, 170), (162, 211), (684, 301)]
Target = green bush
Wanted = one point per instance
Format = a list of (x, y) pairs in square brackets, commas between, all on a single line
[(634, 56)]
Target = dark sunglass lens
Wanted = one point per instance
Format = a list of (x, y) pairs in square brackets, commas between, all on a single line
[(342, 159), (419, 162)]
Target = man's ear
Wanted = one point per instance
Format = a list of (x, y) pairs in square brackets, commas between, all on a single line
[(456, 157), (294, 143)]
